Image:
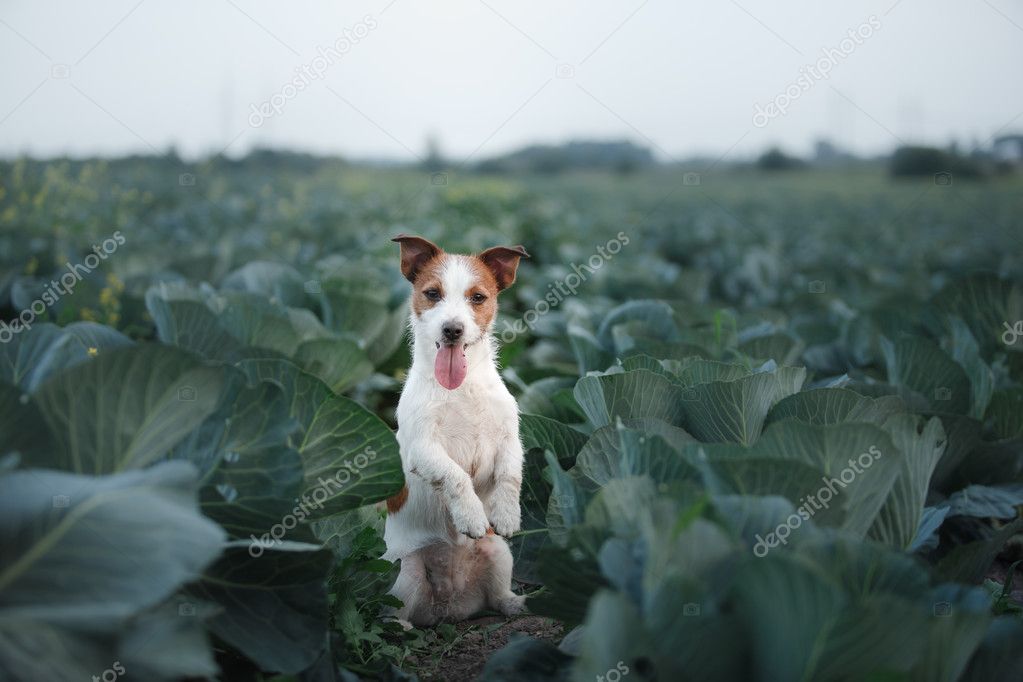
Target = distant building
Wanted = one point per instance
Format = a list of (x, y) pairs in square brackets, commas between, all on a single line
[(826, 153), (1008, 149)]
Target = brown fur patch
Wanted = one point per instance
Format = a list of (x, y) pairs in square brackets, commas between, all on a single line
[(415, 253), (428, 277), (485, 284), (503, 262), (396, 502)]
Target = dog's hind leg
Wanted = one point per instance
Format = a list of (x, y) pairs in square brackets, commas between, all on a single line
[(498, 576), (413, 588)]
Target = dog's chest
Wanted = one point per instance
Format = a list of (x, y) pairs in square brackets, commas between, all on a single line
[(468, 427)]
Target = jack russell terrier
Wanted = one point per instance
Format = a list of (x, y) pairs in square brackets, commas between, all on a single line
[(458, 432)]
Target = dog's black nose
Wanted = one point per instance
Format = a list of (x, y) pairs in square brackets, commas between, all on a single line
[(452, 331)]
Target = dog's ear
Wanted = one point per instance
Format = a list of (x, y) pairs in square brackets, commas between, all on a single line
[(503, 261), (415, 253)]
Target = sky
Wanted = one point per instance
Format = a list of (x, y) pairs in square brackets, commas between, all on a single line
[(378, 79)]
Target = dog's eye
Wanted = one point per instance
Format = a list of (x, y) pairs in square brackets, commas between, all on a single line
[(477, 298), (432, 294)]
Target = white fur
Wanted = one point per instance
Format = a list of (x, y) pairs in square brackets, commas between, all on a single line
[(456, 277), (462, 459)]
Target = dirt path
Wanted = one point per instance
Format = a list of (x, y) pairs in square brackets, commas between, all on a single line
[(463, 659)]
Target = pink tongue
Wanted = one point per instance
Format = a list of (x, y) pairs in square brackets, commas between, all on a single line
[(450, 366)]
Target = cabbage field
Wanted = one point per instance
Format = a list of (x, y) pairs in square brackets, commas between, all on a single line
[(773, 422)]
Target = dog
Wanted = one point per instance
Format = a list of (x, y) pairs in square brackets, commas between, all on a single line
[(458, 434)]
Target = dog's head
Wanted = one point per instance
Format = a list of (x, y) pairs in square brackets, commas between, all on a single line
[(454, 299)]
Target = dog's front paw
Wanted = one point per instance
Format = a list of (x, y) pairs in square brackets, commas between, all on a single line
[(469, 518), (506, 519)]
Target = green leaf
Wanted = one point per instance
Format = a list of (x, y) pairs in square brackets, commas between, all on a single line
[(666, 351), (101, 531), (540, 398), (643, 361), (834, 406), (735, 411), (969, 563), (23, 358), (963, 437), (357, 313), (845, 471), (304, 392), (989, 463), (620, 506), (243, 325), (918, 452), (1005, 413), (167, 643), (541, 432), (589, 353), (528, 544), (983, 502), (999, 656), (825, 615), (275, 603), (36, 354), (339, 363), (526, 659), (779, 590), (751, 517), (754, 476), (613, 626), (127, 408), (22, 427), (715, 411), (276, 281), (986, 303), (629, 395), (50, 520), (779, 347), (693, 371), (390, 337), (651, 319), (193, 326), (964, 349), (27, 652), (919, 365), (257, 323), (350, 456), (571, 579), (926, 537), (339, 532), (961, 617), (619, 451), (567, 504), (251, 479)]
